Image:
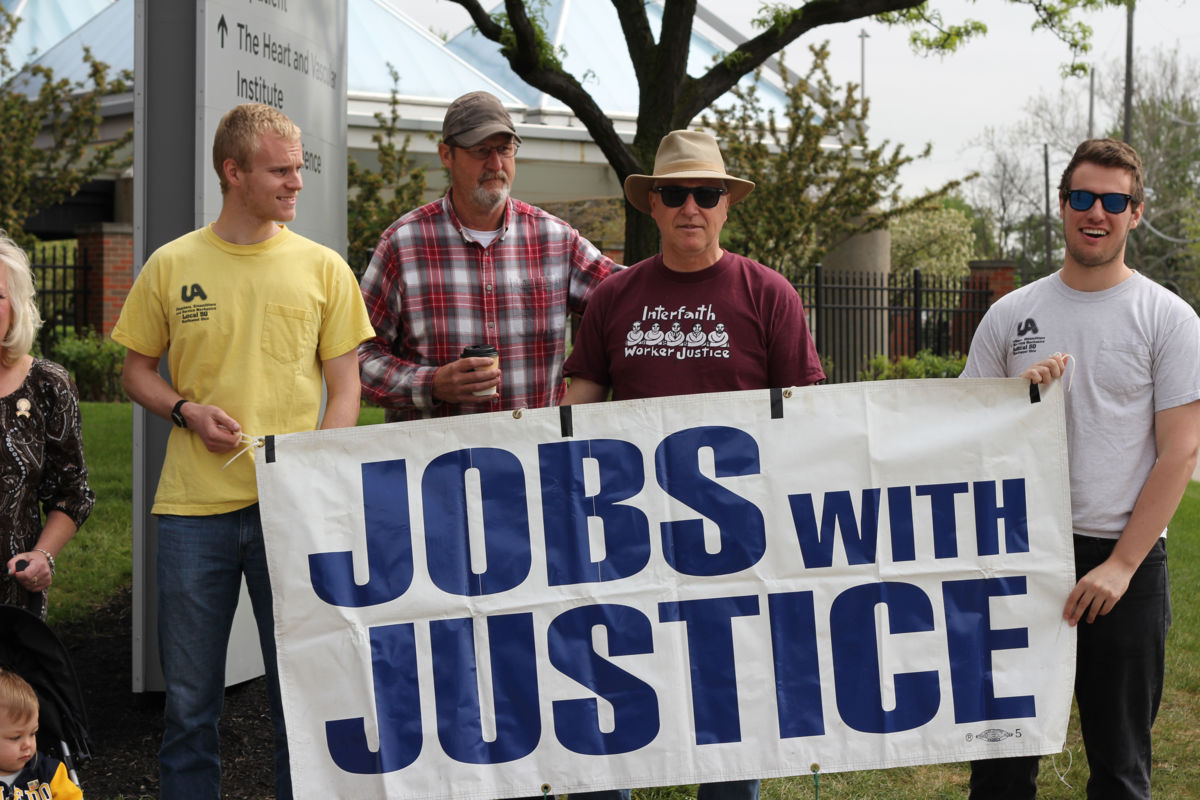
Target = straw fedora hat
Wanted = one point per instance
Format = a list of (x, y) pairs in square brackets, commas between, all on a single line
[(685, 154)]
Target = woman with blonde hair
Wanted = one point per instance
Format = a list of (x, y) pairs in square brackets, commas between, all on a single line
[(41, 446)]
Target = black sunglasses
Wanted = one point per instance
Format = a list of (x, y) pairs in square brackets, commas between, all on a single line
[(675, 196), (1112, 202)]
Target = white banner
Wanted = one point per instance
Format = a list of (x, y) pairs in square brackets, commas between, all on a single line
[(670, 591)]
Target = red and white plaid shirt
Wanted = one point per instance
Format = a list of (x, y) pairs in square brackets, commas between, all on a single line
[(432, 290)]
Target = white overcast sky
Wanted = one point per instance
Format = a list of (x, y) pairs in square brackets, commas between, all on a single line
[(950, 100)]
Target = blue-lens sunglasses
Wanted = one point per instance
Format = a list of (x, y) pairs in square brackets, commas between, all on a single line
[(1112, 202)]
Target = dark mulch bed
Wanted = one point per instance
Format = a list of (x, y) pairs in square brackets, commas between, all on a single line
[(126, 728)]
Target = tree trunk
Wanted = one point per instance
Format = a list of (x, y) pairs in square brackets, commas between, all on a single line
[(641, 235)]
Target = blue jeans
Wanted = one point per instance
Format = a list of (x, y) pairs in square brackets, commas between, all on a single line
[(725, 790), (201, 561), (1118, 685)]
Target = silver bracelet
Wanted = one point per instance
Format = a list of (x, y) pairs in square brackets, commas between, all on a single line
[(49, 558)]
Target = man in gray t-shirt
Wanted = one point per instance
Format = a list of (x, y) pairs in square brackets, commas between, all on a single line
[(1130, 353)]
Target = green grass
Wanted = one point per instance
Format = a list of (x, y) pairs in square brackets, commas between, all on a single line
[(370, 415), (99, 559), (97, 563)]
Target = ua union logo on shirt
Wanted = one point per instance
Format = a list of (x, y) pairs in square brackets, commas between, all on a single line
[(1027, 339), (190, 311), (190, 293)]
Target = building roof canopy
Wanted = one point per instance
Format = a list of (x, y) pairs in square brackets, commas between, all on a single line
[(558, 162), (587, 35), (45, 23)]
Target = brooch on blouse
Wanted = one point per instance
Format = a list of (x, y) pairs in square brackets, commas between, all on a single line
[(23, 406)]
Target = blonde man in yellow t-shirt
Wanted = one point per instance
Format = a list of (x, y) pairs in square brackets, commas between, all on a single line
[(251, 317)]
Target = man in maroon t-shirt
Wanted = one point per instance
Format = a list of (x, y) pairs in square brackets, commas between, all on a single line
[(692, 319)]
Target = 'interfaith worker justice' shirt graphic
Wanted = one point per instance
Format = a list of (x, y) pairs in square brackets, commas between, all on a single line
[(680, 333), (650, 331)]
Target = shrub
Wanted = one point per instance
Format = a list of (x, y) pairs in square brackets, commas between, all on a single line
[(93, 361), (827, 367), (924, 364)]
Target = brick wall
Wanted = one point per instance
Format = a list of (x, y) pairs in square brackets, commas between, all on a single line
[(107, 248), (998, 277)]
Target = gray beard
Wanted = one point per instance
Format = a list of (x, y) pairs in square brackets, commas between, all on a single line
[(489, 199)]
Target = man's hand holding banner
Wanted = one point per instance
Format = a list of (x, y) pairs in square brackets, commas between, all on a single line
[(670, 591)]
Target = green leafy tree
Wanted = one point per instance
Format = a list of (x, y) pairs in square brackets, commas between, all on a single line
[(981, 228), (818, 180), (1165, 131), (50, 133), (934, 239), (1006, 194), (669, 98), (377, 198), (1166, 134), (600, 220)]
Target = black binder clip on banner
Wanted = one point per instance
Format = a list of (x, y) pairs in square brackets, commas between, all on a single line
[(1035, 396)]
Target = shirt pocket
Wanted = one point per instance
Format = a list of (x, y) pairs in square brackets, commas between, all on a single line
[(288, 333), (531, 300), (1123, 367)]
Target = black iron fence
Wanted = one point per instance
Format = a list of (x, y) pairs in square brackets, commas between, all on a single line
[(855, 316), (60, 279)]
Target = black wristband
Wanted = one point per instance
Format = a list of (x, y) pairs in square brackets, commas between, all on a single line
[(177, 415)]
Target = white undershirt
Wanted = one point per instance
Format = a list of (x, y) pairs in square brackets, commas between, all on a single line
[(484, 238)]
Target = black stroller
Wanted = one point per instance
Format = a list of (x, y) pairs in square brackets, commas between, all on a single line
[(29, 648)]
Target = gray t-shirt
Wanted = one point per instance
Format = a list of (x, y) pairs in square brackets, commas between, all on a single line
[(1136, 349)]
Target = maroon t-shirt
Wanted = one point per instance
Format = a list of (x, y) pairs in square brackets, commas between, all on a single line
[(651, 332)]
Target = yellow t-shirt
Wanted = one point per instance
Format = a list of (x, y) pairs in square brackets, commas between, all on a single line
[(245, 328)]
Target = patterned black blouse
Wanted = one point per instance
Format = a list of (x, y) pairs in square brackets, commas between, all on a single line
[(41, 462)]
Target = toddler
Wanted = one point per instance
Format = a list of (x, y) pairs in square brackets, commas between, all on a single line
[(26, 774)]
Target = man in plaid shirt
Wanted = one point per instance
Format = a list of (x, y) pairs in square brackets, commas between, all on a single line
[(476, 267)]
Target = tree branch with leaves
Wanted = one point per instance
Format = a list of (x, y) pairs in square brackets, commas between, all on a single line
[(669, 98), (50, 142), (818, 179), (377, 198)]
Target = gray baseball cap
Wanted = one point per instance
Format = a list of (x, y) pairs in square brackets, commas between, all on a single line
[(474, 117)]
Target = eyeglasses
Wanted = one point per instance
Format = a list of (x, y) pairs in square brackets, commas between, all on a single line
[(482, 152), (675, 196), (1112, 202)]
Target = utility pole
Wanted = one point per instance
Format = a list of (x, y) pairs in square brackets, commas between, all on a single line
[(1091, 100), (862, 61), (1128, 130), (1046, 169)]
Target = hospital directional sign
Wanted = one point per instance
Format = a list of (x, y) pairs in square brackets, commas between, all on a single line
[(290, 54)]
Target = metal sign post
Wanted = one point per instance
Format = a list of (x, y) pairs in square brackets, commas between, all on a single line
[(193, 62)]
